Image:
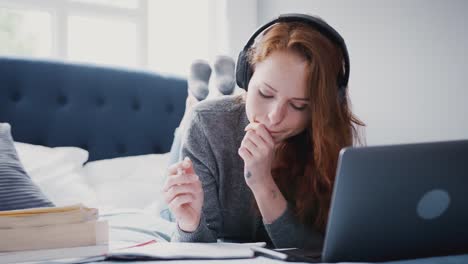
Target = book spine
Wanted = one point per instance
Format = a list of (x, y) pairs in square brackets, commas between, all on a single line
[(76, 216), (54, 236)]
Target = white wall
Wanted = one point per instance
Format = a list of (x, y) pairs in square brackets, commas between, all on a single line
[(408, 62), (238, 19)]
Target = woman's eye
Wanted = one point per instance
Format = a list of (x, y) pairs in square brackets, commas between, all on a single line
[(264, 95), (299, 108)]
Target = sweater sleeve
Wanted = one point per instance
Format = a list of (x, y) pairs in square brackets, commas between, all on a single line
[(286, 232), (197, 147)]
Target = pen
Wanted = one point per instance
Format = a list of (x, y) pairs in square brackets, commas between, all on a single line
[(259, 251), (255, 244)]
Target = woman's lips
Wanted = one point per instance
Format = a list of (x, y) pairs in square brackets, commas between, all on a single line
[(273, 132)]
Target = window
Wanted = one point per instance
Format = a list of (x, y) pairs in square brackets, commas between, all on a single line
[(25, 33), (179, 33), (117, 3), (163, 36), (104, 41)]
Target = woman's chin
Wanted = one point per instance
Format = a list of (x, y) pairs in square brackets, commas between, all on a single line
[(277, 139)]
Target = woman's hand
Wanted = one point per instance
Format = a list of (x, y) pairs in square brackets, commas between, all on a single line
[(257, 151), (183, 193)]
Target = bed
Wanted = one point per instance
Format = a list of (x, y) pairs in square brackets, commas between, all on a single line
[(86, 133), (101, 131)]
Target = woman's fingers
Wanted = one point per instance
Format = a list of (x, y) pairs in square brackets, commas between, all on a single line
[(173, 168), (263, 133), (185, 165), (174, 191), (179, 179), (251, 147), (188, 166), (257, 139), (251, 126), (255, 144), (244, 153), (181, 200)]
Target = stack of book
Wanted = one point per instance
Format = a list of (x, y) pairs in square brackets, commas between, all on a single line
[(52, 233)]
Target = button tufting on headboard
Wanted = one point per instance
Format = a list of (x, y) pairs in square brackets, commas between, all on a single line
[(121, 149), (62, 100), (100, 101), (16, 96), (156, 149), (136, 105), (99, 109), (169, 108)]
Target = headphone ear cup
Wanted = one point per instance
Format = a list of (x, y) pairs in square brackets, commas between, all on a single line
[(242, 69), (341, 89)]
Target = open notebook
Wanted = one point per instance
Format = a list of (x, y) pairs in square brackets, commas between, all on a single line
[(153, 250)]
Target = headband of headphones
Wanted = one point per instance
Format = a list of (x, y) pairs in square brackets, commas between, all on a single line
[(244, 70)]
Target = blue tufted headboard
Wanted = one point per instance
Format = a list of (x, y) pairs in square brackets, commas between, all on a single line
[(110, 112)]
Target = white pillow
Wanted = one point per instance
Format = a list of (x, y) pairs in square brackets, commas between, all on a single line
[(128, 182), (58, 172)]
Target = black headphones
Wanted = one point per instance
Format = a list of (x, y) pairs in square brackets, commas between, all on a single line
[(244, 70)]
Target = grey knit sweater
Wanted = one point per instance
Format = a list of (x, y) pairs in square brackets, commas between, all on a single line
[(211, 142)]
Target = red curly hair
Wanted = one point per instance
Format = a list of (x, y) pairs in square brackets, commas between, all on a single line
[(305, 165)]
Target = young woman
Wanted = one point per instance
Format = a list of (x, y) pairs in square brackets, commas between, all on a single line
[(261, 166)]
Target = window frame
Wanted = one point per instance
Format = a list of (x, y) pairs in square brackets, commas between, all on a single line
[(61, 10)]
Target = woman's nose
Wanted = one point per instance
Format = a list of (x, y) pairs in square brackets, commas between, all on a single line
[(276, 113)]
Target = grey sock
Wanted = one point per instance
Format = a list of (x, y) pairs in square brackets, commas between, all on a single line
[(198, 78), (224, 67)]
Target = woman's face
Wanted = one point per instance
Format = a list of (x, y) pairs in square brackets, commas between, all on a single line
[(277, 96)]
